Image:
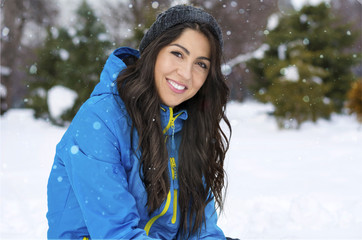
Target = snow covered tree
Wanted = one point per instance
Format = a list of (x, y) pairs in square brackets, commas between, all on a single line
[(71, 57), (354, 102), (306, 73)]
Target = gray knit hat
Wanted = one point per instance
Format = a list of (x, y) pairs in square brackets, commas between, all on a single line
[(177, 15)]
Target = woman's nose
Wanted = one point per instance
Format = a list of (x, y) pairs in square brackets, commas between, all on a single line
[(185, 71)]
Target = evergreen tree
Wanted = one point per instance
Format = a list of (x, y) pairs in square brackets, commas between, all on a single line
[(149, 16), (71, 57), (144, 13), (306, 72)]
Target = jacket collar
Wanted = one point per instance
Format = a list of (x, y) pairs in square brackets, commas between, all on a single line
[(172, 122)]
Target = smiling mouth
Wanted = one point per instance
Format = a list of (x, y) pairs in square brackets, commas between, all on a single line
[(176, 86)]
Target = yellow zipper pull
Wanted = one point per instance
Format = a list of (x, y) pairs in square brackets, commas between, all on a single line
[(174, 179), (174, 216), (174, 172), (173, 168)]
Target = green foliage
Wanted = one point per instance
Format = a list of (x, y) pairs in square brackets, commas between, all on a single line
[(311, 42), (71, 57), (149, 15), (298, 102)]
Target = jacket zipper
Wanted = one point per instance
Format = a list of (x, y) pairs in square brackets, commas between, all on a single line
[(174, 178), (171, 124), (153, 220)]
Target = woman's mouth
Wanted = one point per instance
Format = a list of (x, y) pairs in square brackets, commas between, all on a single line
[(176, 87)]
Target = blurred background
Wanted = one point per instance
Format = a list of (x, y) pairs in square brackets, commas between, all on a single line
[(304, 57)]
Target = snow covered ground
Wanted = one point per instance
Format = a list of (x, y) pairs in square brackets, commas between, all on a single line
[(289, 184)]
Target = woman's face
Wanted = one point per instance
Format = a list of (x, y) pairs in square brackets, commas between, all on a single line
[(182, 67)]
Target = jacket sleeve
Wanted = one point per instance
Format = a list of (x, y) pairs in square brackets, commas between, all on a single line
[(92, 159)]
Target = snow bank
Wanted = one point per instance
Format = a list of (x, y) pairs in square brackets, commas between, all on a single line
[(291, 184), (60, 99), (27, 147)]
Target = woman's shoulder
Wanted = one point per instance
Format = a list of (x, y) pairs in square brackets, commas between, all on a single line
[(105, 112), (101, 125), (107, 107)]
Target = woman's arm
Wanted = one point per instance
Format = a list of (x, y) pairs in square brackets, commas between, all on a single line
[(91, 154)]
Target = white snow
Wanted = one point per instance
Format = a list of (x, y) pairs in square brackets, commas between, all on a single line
[(3, 91), (290, 73), (155, 4), (64, 54), (55, 32), (298, 4), (27, 148), (41, 92), (4, 71), (258, 53), (5, 31), (317, 79), (103, 37), (273, 21), (72, 31), (291, 184), (303, 18), (60, 99), (233, 4), (282, 49), (33, 69), (226, 69)]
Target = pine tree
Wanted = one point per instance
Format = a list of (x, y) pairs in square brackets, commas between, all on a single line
[(306, 72), (71, 57), (144, 13)]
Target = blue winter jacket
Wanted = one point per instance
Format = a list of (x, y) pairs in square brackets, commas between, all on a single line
[(95, 190)]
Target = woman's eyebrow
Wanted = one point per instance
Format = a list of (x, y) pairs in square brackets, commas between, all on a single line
[(204, 58), (188, 52), (183, 48)]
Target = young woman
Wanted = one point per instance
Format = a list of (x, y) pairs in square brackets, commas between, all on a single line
[(143, 158)]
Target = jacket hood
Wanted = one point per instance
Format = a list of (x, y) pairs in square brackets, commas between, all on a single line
[(114, 65)]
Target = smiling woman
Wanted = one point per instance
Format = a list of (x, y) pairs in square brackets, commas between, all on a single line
[(182, 68), (149, 159)]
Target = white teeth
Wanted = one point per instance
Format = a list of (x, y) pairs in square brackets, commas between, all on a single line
[(175, 85)]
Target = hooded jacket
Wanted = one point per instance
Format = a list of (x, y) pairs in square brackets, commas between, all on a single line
[(95, 190)]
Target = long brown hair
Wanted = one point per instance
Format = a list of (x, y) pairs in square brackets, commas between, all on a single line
[(203, 145)]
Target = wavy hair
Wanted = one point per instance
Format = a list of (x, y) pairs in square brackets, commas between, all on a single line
[(204, 144)]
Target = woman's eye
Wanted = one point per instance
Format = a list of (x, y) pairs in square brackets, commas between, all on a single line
[(202, 65), (177, 54)]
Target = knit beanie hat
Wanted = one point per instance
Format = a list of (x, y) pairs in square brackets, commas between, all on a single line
[(177, 15)]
